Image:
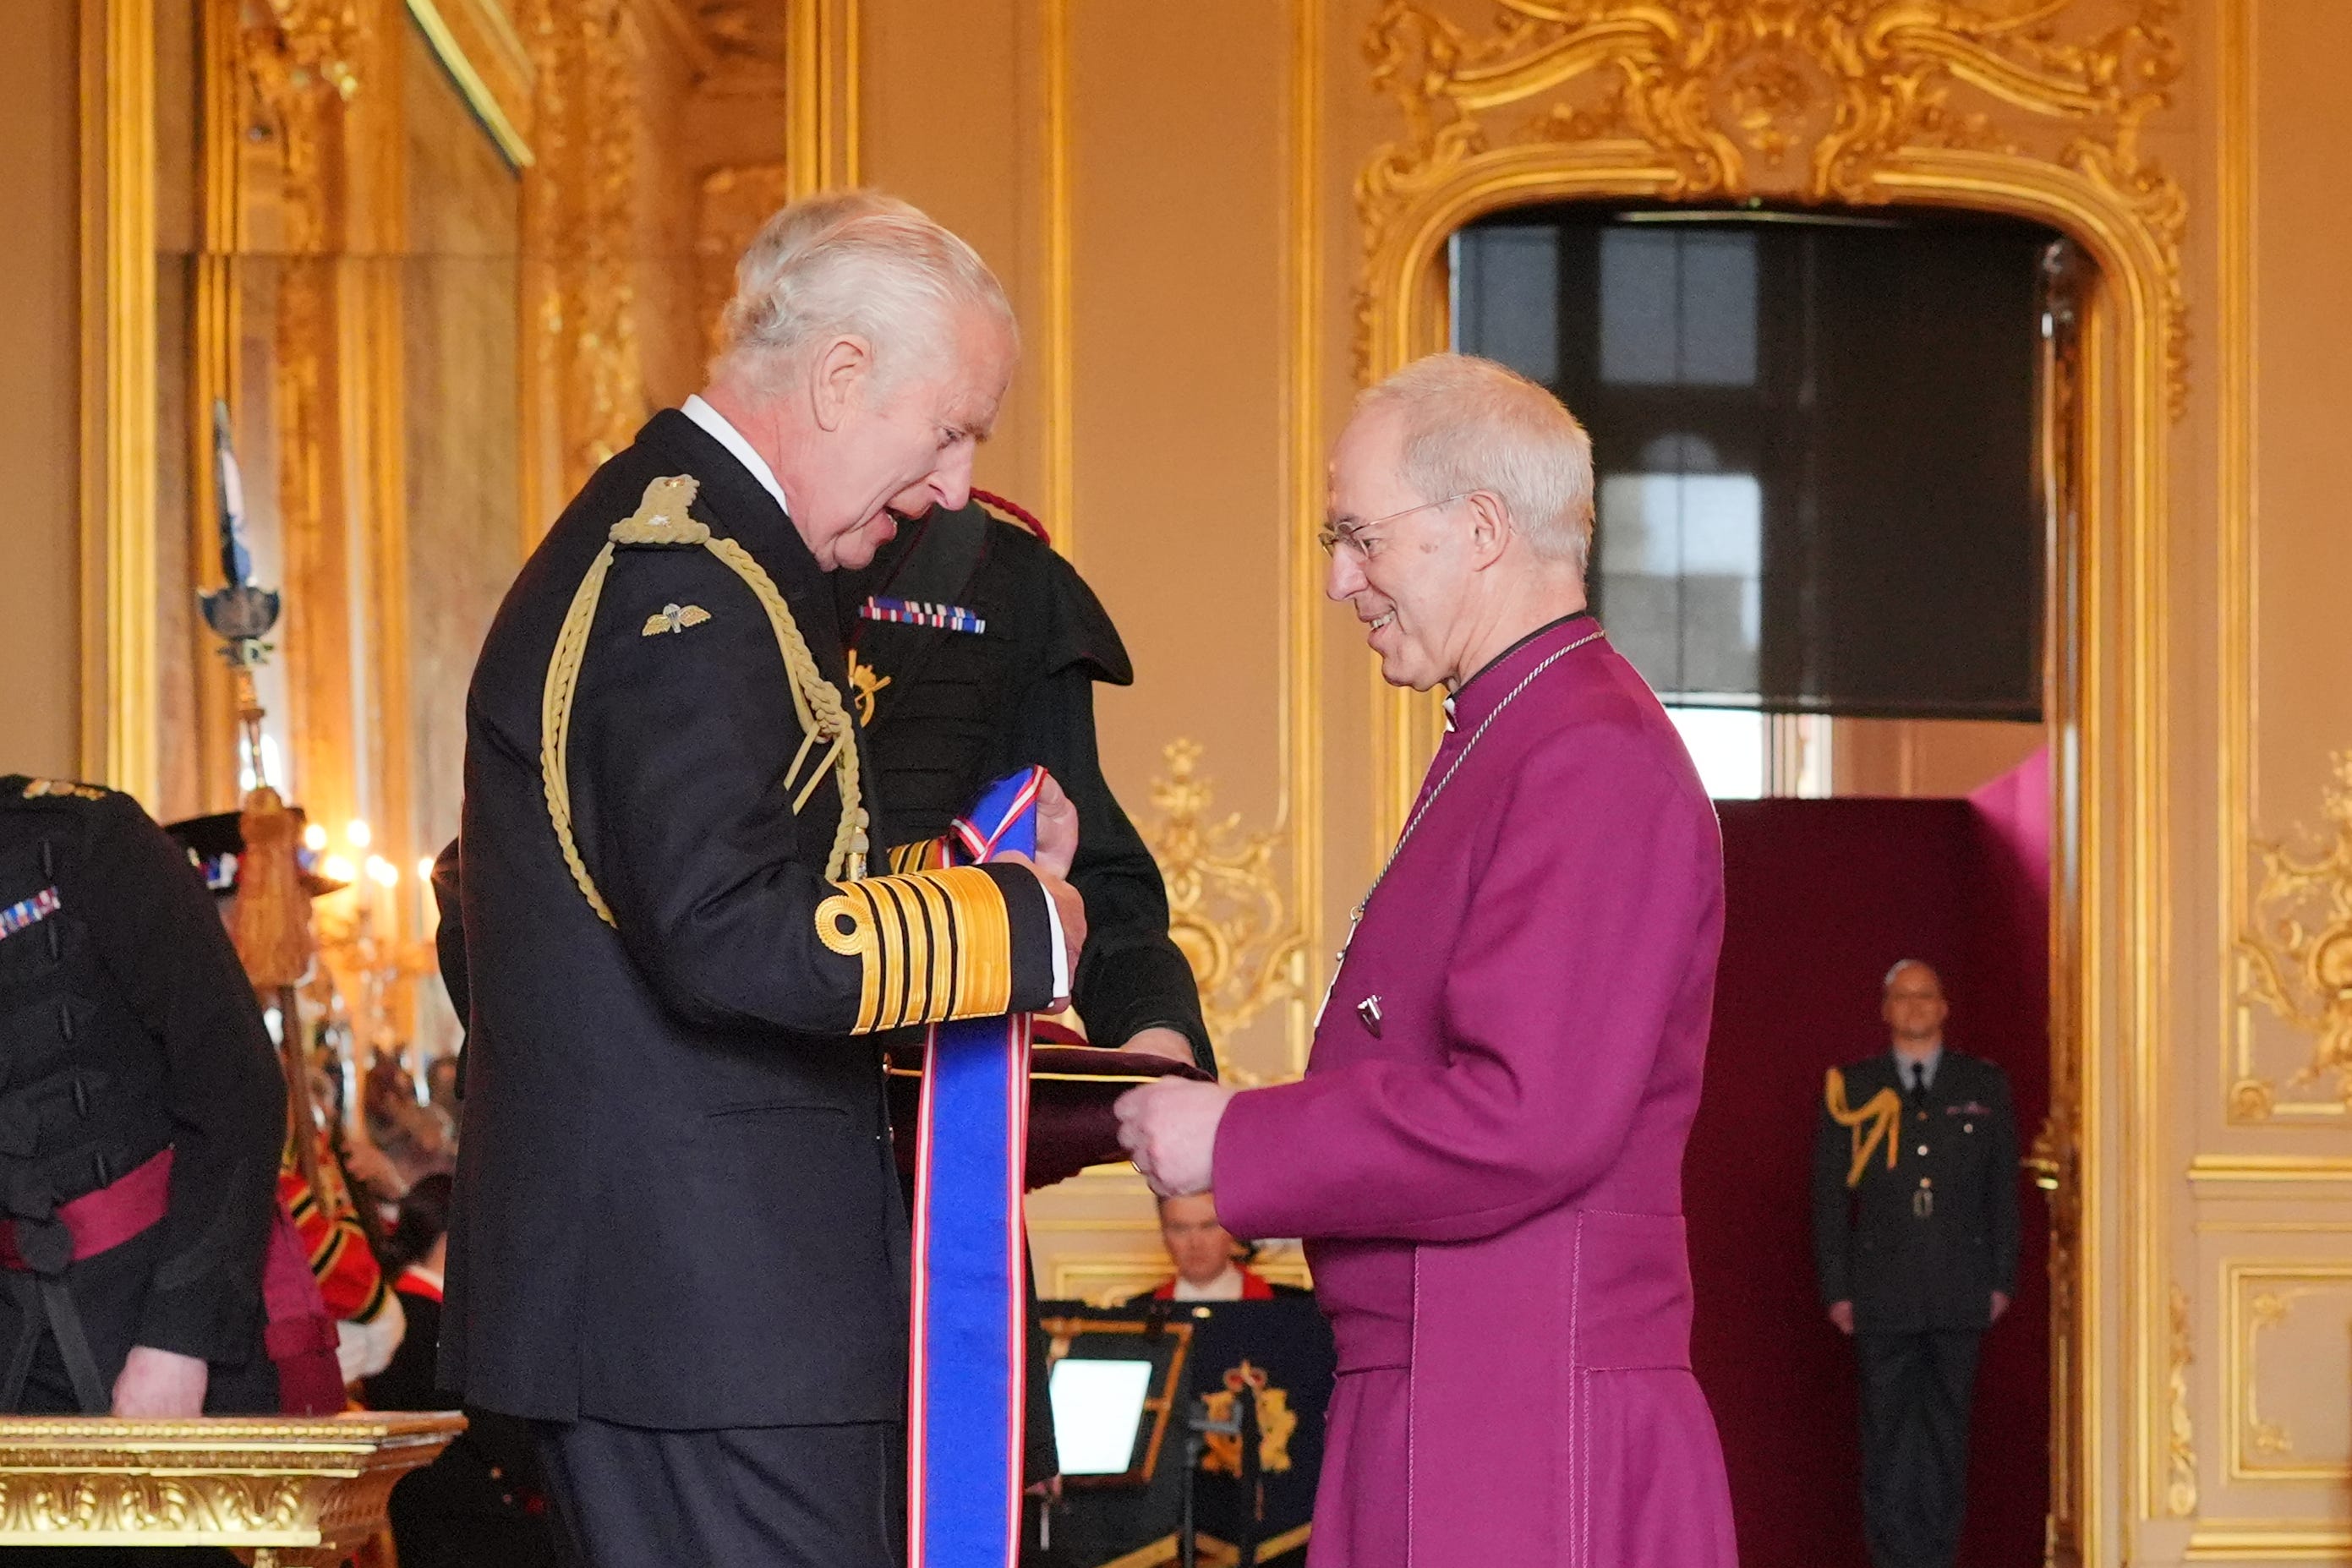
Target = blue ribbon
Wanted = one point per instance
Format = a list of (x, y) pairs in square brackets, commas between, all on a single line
[(970, 1329)]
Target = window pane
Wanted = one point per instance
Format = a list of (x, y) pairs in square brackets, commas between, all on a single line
[(1727, 746), (1681, 569), (1507, 288)]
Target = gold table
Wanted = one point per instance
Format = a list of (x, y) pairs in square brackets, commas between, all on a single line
[(288, 1491)]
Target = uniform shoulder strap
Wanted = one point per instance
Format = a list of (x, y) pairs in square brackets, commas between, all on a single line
[(661, 522)]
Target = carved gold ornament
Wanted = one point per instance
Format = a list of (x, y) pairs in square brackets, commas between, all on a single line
[(1225, 907), (2298, 956), (580, 205), (1853, 102), (1276, 1422), (290, 1491), (2180, 1446)]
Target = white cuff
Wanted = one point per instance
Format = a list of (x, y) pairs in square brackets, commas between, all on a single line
[(1061, 950)]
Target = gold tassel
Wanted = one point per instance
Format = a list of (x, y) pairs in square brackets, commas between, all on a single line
[(273, 912)]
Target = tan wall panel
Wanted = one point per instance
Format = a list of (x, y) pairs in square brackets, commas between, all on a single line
[(39, 363), (2303, 401), (1177, 133), (950, 112)]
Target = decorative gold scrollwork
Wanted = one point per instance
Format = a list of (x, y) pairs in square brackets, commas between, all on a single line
[(2298, 955), (1806, 101), (2181, 1443), (1225, 907)]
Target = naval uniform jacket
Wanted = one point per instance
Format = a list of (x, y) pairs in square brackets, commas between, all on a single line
[(1923, 1244), (949, 708), (676, 1205), (127, 1027)]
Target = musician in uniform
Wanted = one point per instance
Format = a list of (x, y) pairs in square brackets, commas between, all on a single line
[(679, 1242), (140, 1114), (1916, 1239)]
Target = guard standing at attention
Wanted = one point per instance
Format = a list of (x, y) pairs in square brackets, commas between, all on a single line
[(140, 1114), (973, 651), (1916, 1241)]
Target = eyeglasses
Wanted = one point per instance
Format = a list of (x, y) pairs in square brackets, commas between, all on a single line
[(1348, 533)]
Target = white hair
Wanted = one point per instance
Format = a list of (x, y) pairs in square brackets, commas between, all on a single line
[(852, 262), (1473, 425)]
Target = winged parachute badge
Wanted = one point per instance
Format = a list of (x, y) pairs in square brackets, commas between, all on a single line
[(674, 618)]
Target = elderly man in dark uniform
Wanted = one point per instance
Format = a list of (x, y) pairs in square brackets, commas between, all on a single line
[(1914, 1238), (678, 1241), (141, 1114)]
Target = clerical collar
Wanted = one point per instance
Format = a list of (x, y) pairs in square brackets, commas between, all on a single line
[(1547, 629), (723, 430)]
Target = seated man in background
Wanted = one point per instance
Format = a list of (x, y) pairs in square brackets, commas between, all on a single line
[(1207, 1258)]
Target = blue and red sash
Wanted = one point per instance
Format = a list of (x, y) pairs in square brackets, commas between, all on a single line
[(965, 1362)]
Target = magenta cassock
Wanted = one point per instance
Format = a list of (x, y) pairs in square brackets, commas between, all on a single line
[(1489, 1177)]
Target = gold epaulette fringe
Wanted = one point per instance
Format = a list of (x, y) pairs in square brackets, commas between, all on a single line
[(661, 520), (1874, 1122)]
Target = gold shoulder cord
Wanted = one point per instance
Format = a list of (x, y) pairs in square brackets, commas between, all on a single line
[(1875, 1121), (661, 519)]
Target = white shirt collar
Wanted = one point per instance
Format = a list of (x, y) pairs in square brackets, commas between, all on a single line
[(1225, 1287), (727, 436)]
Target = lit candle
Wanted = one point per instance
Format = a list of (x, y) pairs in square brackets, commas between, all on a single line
[(314, 838), (359, 835), (428, 913)]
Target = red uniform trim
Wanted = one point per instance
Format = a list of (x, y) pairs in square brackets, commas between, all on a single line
[(1254, 1287), (414, 1282)]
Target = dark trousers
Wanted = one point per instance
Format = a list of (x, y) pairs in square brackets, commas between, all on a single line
[(744, 1496), (1915, 1391)]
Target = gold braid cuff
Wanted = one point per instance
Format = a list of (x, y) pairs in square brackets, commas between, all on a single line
[(931, 855), (931, 946), (661, 519), (1876, 1121)]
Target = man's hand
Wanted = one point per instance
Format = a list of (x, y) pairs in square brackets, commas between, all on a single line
[(161, 1384), (1057, 829), (1168, 1127), (2000, 1304), (1160, 1040), (1841, 1314)]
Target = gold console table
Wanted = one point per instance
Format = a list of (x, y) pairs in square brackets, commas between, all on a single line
[(290, 1492)]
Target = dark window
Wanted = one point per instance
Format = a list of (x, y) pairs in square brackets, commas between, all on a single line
[(1815, 441)]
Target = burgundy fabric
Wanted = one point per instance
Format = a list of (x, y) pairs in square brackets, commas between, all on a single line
[(1822, 896), (1072, 1088), (102, 1220), (300, 1337), (1484, 1155)]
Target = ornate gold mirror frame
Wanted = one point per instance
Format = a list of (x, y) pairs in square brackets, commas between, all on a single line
[(2029, 108)]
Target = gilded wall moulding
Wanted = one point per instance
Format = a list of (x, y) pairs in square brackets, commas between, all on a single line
[(579, 205), (735, 202), (1225, 907), (2180, 1436), (2298, 955), (1848, 102)]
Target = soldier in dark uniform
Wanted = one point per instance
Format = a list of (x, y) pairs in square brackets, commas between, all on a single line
[(1914, 1238), (679, 1242), (973, 651), (141, 1114)]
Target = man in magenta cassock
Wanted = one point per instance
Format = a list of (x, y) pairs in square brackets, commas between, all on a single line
[(1484, 1157)]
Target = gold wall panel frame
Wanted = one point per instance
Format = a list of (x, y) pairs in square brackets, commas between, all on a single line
[(120, 669), (1868, 103), (2257, 1295)]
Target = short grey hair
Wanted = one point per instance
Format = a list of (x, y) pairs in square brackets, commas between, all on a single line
[(852, 262), (1471, 424)]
